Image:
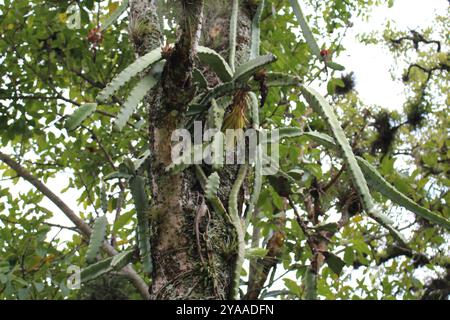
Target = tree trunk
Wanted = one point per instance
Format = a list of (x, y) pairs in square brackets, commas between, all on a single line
[(193, 247)]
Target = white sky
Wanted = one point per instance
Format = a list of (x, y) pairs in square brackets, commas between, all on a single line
[(371, 63)]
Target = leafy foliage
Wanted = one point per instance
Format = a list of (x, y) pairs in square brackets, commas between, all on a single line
[(215, 115), (277, 79), (122, 259), (97, 238), (233, 32), (248, 69), (212, 185), (310, 285), (216, 62), (236, 221), (322, 107), (137, 186), (129, 72), (115, 15), (258, 179), (96, 270), (136, 95), (377, 182), (373, 177), (305, 28), (81, 114), (105, 266), (309, 37), (256, 30)]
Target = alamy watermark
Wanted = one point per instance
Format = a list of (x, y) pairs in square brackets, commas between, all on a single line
[(74, 280), (73, 17), (235, 146)]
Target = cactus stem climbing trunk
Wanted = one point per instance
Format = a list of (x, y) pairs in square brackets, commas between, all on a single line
[(191, 252)]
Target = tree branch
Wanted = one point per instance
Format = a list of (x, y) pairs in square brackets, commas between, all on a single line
[(393, 252), (429, 71), (179, 66), (82, 226), (417, 38)]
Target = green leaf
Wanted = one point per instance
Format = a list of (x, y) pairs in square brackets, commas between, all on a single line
[(122, 259), (141, 159), (136, 95), (123, 220), (137, 186), (255, 253), (294, 132), (334, 66), (257, 182), (334, 262), (321, 106), (76, 118), (194, 109), (333, 83), (103, 197), (129, 72), (199, 79), (215, 115), (215, 201), (97, 237), (292, 286), (277, 200), (237, 224), (129, 165), (280, 184), (310, 280), (378, 183), (320, 138), (117, 175), (315, 169), (361, 246), (115, 15), (220, 91), (95, 270), (247, 69), (278, 79), (39, 286), (331, 227), (233, 32), (349, 256), (309, 37), (216, 62), (305, 28), (296, 174), (254, 110), (212, 186), (286, 132), (256, 31), (18, 280)]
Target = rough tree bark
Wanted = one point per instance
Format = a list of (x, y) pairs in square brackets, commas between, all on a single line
[(193, 249)]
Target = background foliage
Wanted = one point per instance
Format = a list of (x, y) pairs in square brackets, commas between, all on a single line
[(48, 70)]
